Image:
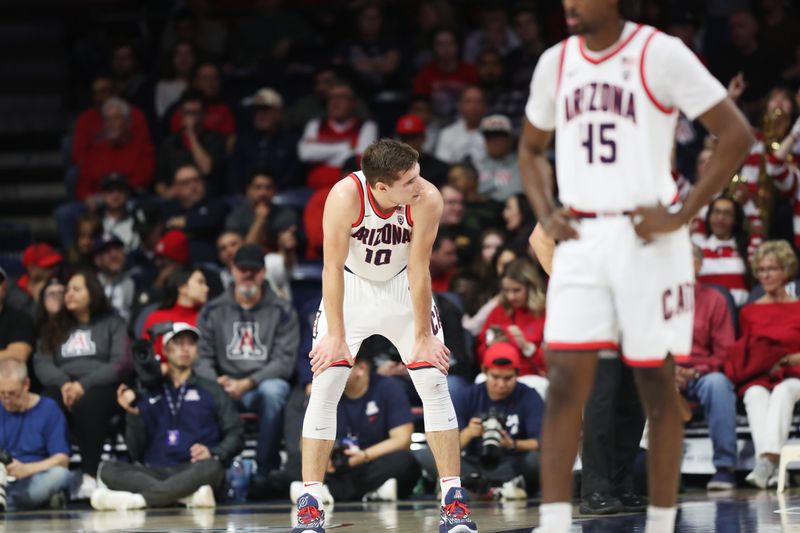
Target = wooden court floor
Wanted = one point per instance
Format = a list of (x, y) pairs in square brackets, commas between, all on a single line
[(743, 511)]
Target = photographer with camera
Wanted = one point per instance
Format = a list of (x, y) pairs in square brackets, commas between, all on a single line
[(33, 444), (370, 459), (499, 422), (183, 435)]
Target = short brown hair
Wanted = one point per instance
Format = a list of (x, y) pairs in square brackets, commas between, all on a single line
[(385, 159)]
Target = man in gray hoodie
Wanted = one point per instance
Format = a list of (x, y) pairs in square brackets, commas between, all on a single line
[(248, 344)]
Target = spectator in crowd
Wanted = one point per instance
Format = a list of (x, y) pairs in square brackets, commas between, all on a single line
[(41, 262), (498, 170), (191, 25), (329, 141), (193, 144), (115, 149), (489, 242), (446, 77), (763, 362), (78, 361), (452, 221), (463, 140), (228, 243), (500, 98), (373, 432), (258, 219), (35, 436), (461, 372), (148, 224), (432, 15), (494, 34), (118, 286), (513, 466), (444, 260), (17, 331), (421, 106), (80, 253), (217, 115), (411, 130), (520, 220), (777, 27), (786, 175), (702, 378), (171, 254), (182, 438), (521, 61), (51, 302), (266, 143), (314, 105), (724, 248), (89, 127), (519, 319), (129, 80), (185, 292), (480, 212), (197, 213), (248, 344), (176, 77), (371, 54), (115, 194)]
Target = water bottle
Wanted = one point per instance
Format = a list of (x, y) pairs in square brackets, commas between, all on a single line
[(239, 480)]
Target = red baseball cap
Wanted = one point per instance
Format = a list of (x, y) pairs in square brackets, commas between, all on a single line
[(174, 245), (42, 255), (502, 355), (409, 125)]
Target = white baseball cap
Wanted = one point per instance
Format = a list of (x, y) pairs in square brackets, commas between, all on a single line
[(180, 327)]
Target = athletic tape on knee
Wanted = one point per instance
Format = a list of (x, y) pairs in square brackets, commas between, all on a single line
[(437, 406), (320, 419)]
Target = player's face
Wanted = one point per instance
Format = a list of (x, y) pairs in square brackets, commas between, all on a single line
[(771, 274), (722, 217), (407, 189), (584, 16), (500, 382), (515, 293)]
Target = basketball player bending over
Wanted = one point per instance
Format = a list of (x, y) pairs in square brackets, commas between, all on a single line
[(379, 226), (623, 264)]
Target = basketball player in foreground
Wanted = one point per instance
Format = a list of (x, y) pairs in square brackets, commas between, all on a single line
[(379, 226), (623, 265)]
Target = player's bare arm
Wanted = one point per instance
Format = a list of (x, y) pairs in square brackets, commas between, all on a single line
[(537, 180), (427, 212), (726, 122), (337, 220), (544, 246)]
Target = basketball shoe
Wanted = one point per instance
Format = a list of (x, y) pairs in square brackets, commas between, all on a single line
[(455, 516)]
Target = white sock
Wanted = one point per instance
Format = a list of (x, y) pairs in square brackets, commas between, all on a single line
[(660, 519), (315, 489), (555, 517), (446, 483)]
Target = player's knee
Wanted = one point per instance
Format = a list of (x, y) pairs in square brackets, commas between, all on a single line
[(437, 405), (320, 419)]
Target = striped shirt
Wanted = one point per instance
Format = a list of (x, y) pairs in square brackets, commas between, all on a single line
[(723, 265)]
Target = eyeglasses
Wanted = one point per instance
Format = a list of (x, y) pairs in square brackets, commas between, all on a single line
[(56, 295), (768, 270)]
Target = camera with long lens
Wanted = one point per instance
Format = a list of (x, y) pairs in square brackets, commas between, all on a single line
[(339, 459), (5, 457), (146, 364), (493, 422)]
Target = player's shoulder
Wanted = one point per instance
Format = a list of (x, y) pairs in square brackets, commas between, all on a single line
[(660, 44), (347, 191), (551, 57), (430, 198)]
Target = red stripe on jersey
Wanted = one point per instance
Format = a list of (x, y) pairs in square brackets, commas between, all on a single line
[(729, 281), (661, 107), (612, 53), (408, 216), (361, 196), (561, 63), (375, 206)]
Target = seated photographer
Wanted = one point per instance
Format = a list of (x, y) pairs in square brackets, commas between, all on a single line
[(500, 421), (182, 436), (34, 448), (371, 460)]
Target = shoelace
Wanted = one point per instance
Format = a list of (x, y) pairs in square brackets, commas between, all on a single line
[(456, 509), (308, 514)]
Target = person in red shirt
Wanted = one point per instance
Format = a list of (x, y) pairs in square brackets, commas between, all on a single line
[(185, 292), (765, 361), (41, 262), (444, 78), (519, 319)]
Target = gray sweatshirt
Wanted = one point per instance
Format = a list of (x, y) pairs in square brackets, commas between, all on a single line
[(91, 354), (259, 343)]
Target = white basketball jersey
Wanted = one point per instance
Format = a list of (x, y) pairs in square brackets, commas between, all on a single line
[(379, 242), (613, 138)]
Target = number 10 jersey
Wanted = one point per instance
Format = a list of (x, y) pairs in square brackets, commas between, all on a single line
[(379, 241)]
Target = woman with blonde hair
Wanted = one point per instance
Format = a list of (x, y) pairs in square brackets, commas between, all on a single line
[(765, 361)]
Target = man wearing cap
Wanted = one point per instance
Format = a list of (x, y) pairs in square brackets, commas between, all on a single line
[(115, 193), (498, 171), (41, 261), (182, 437), (518, 408), (110, 260), (148, 225), (248, 344), (411, 130), (266, 143), (17, 332)]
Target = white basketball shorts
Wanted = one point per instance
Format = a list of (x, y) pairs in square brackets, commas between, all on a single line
[(610, 285)]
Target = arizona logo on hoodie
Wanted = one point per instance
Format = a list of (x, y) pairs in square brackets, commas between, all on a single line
[(246, 343), (79, 344)]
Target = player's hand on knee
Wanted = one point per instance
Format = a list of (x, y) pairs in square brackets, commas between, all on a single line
[(431, 350), (329, 350), (648, 221), (558, 226)]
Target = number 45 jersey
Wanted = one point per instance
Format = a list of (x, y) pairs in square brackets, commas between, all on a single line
[(615, 113), (379, 241)]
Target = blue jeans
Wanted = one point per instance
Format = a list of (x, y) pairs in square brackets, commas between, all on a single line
[(267, 400), (34, 491), (715, 393)]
